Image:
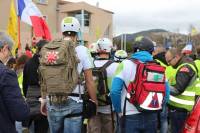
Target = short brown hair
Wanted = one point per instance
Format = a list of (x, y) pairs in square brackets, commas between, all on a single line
[(176, 51), (21, 61)]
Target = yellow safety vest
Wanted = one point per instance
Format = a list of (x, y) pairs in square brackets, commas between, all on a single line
[(197, 63), (169, 73), (20, 81), (186, 100)]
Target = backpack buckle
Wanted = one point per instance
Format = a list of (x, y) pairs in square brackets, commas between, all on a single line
[(57, 100)]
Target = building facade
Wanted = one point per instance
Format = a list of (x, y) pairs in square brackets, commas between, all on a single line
[(95, 22)]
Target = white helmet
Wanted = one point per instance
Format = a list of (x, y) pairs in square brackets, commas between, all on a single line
[(120, 55), (93, 47), (104, 45), (70, 24)]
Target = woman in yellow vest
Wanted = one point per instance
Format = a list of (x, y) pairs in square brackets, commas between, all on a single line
[(182, 94)]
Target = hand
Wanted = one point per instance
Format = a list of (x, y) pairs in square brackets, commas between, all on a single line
[(94, 101), (43, 108)]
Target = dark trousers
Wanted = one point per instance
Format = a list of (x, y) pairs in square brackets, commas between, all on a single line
[(139, 123), (177, 119), (39, 125)]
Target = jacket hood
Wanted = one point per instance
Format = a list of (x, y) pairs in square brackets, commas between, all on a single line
[(143, 56)]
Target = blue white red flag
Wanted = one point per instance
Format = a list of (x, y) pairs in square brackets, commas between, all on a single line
[(30, 14)]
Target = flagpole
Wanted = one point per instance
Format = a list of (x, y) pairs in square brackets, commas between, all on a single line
[(19, 35)]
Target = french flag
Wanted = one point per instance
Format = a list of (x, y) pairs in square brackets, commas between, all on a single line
[(187, 49), (30, 14)]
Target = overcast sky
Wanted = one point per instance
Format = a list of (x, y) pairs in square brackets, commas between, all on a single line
[(131, 16)]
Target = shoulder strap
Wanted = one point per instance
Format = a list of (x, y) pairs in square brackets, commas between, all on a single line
[(134, 60), (139, 62), (108, 63)]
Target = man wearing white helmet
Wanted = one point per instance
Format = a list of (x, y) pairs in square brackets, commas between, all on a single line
[(103, 122), (62, 118), (120, 55), (93, 49)]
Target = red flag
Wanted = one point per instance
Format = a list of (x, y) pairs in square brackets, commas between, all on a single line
[(40, 27), (30, 14)]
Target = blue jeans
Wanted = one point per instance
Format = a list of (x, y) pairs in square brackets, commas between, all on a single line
[(177, 119), (57, 121), (139, 123), (164, 120)]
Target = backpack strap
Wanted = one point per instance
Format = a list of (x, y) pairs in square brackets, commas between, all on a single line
[(108, 63), (103, 69), (124, 109)]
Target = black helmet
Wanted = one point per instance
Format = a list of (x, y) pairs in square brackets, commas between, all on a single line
[(143, 44)]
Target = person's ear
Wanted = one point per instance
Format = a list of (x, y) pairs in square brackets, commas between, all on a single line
[(4, 48)]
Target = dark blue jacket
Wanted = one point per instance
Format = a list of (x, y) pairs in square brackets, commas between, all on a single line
[(12, 105)]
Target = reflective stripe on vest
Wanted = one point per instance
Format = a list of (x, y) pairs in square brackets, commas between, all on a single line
[(185, 100), (181, 101)]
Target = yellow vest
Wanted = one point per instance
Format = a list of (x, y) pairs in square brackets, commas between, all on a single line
[(197, 63), (20, 81), (186, 99), (169, 73)]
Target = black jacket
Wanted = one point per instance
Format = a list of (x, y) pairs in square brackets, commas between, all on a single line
[(161, 57), (30, 74), (183, 76), (12, 105)]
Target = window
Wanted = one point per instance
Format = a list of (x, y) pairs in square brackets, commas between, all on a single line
[(42, 1), (107, 31), (87, 18), (78, 15)]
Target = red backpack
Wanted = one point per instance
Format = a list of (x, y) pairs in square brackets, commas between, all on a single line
[(147, 91), (192, 124)]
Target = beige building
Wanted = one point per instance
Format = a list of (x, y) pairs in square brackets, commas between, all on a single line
[(95, 22)]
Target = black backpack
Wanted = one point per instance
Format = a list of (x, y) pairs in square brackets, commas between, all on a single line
[(100, 75)]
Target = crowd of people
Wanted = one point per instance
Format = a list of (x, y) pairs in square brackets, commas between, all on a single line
[(65, 87)]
